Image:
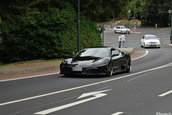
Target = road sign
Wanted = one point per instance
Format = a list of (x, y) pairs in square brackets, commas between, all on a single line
[(134, 29)]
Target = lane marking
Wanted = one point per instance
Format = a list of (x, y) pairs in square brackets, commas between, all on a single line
[(118, 113), (165, 94), (83, 86), (96, 95), (27, 77), (141, 56)]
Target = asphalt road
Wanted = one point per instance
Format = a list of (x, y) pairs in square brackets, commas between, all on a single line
[(147, 90)]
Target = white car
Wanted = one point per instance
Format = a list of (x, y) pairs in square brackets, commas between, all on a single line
[(121, 29), (150, 41)]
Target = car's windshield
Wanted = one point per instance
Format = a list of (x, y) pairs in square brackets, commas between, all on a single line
[(150, 37), (95, 52), (122, 27)]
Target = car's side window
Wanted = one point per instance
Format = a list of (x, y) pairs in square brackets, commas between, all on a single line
[(115, 52)]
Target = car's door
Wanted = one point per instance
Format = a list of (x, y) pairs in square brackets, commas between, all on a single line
[(116, 58)]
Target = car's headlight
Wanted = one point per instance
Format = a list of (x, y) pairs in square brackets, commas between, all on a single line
[(146, 42), (64, 61)]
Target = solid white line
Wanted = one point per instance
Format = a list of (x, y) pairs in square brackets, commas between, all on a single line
[(165, 94), (83, 86), (118, 113), (27, 77), (141, 56)]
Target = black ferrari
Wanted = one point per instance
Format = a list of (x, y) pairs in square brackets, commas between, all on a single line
[(96, 61)]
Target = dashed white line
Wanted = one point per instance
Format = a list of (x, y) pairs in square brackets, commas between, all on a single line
[(165, 94)]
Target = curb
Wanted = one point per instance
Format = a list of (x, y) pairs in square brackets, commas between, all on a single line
[(129, 50)]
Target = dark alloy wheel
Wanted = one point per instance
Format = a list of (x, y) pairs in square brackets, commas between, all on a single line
[(109, 70), (128, 66)]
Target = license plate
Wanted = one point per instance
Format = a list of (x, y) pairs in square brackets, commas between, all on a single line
[(153, 43), (77, 69)]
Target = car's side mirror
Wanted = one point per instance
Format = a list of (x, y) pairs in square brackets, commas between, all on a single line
[(122, 53)]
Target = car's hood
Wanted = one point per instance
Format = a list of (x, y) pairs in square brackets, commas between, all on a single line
[(86, 61)]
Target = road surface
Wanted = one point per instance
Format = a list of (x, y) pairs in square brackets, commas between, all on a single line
[(147, 90)]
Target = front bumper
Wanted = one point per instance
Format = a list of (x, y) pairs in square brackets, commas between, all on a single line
[(69, 70), (152, 45)]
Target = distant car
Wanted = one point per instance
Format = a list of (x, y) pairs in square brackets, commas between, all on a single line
[(150, 41), (96, 61), (121, 29)]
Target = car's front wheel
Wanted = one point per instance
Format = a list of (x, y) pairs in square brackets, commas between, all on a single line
[(109, 70)]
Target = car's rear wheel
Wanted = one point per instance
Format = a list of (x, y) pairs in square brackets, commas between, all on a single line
[(109, 70), (128, 65)]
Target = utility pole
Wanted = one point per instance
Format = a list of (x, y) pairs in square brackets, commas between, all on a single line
[(78, 27), (134, 9), (171, 24)]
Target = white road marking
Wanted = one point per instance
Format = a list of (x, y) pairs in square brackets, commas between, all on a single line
[(92, 93), (165, 94), (141, 56), (29, 77), (83, 86), (96, 95), (118, 113)]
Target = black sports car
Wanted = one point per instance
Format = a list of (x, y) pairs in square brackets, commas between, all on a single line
[(96, 61)]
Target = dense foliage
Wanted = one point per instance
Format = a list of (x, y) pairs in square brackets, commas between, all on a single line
[(151, 12), (44, 34)]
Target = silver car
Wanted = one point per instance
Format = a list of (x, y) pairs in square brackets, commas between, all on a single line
[(121, 29), (150, 41)]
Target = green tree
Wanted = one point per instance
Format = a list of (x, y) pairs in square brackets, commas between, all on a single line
[(45, 35), (156, 12)]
